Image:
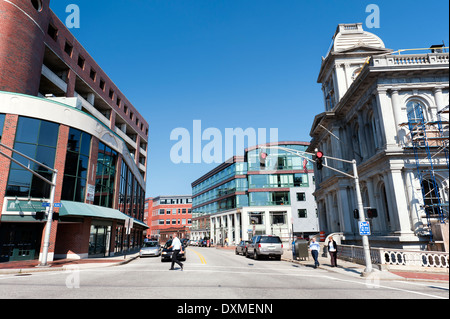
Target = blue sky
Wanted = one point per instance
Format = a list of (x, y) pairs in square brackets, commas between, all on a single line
[(231, 63)]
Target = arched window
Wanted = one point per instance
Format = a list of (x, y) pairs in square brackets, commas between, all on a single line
[(431, 193), (416, 111)]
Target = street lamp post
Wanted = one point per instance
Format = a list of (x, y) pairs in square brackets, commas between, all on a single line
[(355, 177), (52, 196)]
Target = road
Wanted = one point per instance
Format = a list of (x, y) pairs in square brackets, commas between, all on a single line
[(209, 274)]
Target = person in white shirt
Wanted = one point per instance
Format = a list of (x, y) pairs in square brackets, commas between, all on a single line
[(315, 249), (177, 247)]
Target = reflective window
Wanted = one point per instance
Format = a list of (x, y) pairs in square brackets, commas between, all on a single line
[(106, 173), (2, 121), (36, 139), (76, 167)]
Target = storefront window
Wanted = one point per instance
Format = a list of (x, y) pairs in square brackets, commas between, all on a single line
[(99, 240)]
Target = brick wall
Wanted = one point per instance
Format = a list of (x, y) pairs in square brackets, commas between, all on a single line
[(9, 133), (73, 238), (21, 45)]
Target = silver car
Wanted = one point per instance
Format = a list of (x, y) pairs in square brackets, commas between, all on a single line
[(265, 245), (150, 248)]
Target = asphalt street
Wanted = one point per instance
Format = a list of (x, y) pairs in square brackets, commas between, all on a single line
[(211, 274)]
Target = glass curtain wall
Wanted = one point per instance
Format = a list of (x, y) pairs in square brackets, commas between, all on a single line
[(76, 167), (106, 173), (38, 140)]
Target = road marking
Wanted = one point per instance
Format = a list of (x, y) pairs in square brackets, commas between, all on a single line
[(202, 259), (376, 285)]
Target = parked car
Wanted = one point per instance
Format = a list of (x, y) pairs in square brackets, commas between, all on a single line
[(241, 249), (265, 245), (150, 248), (166, 253)]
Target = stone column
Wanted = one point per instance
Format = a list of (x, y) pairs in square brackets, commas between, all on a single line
[(237, 228), (386, 117)]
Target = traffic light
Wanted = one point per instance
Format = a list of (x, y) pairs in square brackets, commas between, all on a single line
[(319, 160), (372, 213), (40, 215), (262, 159), (356, 214)]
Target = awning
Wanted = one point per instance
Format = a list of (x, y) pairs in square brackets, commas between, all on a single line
[(81, 209)]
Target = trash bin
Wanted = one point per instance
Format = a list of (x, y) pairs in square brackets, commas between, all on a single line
[(301, 249)]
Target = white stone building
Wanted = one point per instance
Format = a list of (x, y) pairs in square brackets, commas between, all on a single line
[(368, 93)]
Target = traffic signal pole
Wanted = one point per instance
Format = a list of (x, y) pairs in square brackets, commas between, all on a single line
[(355, 177), (362, 218)]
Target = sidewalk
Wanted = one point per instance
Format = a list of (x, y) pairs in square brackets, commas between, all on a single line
[(29, 266), (349, 268)]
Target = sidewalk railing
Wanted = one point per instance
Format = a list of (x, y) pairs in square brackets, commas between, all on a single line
[(396, 257)]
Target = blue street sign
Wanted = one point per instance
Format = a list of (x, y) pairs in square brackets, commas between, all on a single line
[(364, 228), (57, 205), (45, 204)]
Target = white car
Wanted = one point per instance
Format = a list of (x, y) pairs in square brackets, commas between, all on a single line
[(150, 248)]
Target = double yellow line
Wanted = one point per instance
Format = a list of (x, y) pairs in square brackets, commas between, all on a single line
[(202, 259)]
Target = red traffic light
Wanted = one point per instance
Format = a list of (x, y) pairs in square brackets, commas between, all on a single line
[(319, 154), (263, 155)]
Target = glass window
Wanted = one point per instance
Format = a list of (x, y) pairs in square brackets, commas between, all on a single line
[(27, 130), (301, 197), (415, 111), (46, 136), (2, 121), (278, 217), (106, 173), (36, 139), (302, 213), (256, 218), (76, 166)]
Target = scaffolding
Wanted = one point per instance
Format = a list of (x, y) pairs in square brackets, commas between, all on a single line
[(429, 141)]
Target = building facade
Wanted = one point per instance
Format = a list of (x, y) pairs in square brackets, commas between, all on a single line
[(242, 198), (373, 97), (58, 107), (169, 215)]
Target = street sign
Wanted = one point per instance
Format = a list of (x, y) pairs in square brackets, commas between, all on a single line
[(57, 205), (45, 204), (364, 228), (128, 225)]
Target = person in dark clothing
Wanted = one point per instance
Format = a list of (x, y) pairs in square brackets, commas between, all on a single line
[(332, 249)]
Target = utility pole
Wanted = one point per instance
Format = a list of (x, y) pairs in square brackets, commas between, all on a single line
[(320, 164), (52, 196)]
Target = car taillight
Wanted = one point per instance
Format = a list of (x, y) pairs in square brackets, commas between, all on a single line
[(281, 245), (259, 245)]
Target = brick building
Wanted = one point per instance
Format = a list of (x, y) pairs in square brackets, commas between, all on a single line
[(169, 215), (58, 107)]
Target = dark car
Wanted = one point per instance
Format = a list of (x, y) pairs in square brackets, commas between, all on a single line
[(166, 253), (241, 249)]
